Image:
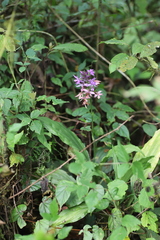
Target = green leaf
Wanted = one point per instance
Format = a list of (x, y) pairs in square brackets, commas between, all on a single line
[(56, 81), (98, 233), (118, 59), (71, 215), (150, 149), (144, 198), (115, 41), (44, 206), (115, 219), (149, 220), (63, 233), (137, 48), (128, 64), (119, 234), (38, 47), (15, 158), (123, 131), (82, 191), (35, 113), (149, 129), (63, 191), (149, 49), (59, 175), (17, 212), (71, 47), (36, 126), (42, 225), (65, 134), (6, 106), (116, 190), (9, 43), (91, 200), (54, 209), (131, 223)]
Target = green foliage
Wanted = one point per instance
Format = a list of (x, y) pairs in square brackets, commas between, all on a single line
[(92, 169)]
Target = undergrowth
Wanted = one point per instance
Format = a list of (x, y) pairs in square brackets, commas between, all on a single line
[(79, 120)]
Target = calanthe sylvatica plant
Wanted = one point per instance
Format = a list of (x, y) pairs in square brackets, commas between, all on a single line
[(78, 156)]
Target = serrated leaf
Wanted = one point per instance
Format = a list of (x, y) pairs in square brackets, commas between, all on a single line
[(131, 223), (15, 159), (35, 113), (149, 220), (115, 41), (44, 206), (18, 211), (71, 47)]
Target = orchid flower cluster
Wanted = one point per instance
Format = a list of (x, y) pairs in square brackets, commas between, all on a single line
[(87, 82)]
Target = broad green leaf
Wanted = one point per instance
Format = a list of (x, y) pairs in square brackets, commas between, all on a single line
[(56, 81), (123, 131), (131, 223), (41, 137), (144, 198), (128, 64), (119, 233), (149, 49), (18, 211), (91, 200), (42, 225), (53, 208), (98, 233), (119, 58), (36, 126), (59, 175), (71, 215), (150, 149), (38, 47), (71, 47), (16, 158), (9, 43), (82, 191), (63, 191), (87, 235), (65, 134), (44, 206), (63, 233), (115, 41), (116, 190), (152, 63), (149, 220), (147, 93), (123, 107), (12, 139), (6, 106), (21, 223), (137, 48), (115, 219), (35, 113), (150, 129)]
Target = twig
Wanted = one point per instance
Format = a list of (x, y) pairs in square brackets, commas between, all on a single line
[(69, 159)]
